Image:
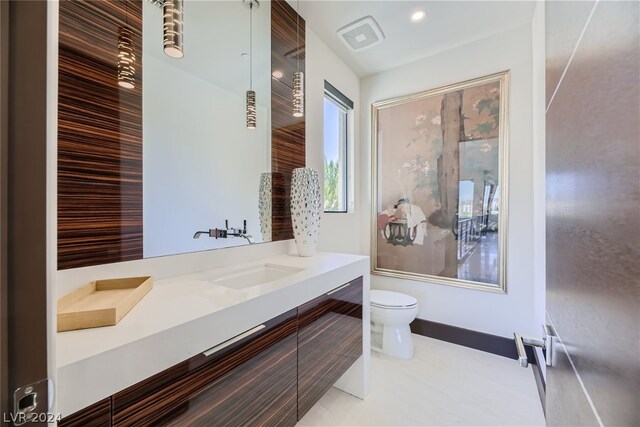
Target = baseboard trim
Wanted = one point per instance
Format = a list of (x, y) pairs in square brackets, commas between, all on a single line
[(494, 344)]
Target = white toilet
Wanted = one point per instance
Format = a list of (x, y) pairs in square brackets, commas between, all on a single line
[(391, 314)]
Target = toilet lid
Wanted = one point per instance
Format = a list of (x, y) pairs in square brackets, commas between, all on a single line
[(392, 299)]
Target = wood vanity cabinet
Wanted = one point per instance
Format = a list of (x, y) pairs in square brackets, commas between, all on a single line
[(252, 382), (270, 377), (329, 341)]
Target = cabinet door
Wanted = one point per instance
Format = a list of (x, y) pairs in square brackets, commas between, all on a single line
[(250, 382), (329, 341)]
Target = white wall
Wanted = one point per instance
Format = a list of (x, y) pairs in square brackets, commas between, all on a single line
[(539, 195), (201, 164), (52, 192), (481, 311), (339, 232)]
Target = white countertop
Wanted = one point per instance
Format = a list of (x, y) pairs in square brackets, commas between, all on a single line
[(183, 316)]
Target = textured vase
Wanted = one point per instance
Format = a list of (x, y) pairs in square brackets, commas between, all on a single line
[(265, 206), (305, 209)]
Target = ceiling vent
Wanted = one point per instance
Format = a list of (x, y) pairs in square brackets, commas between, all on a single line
[(361, 34)]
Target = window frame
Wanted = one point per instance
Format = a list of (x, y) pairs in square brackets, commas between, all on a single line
[(345, 105)]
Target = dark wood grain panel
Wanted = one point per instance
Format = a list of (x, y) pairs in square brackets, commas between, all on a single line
[(329, 342), (260, 392), (250, 383), (96, 415), (24, 217), (280, 205), (287, 132), (592, 206), (99, 136)]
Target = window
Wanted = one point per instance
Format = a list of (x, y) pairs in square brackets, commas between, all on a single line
[(337, 122)]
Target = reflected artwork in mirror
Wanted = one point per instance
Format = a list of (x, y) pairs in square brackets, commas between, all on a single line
[(439, 185), (153, 143)]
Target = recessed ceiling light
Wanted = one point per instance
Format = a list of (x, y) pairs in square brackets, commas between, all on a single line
[(277, 74), (418, 15)]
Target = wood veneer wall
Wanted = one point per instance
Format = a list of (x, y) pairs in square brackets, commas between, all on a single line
[(99, 136), (23, 202), (287, 132)]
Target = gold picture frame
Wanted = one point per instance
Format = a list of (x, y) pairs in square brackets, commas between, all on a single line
[(391, 238)]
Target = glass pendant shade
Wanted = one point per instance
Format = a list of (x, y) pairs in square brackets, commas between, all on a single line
[(298, 94), (126, 59), (251, 109), (251, 95), (172, 28)]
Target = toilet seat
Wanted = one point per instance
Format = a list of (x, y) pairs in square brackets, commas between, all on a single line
[(392, 300)]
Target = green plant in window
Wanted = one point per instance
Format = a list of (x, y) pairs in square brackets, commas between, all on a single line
[(331, 185)]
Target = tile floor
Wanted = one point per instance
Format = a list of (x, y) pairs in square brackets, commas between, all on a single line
[(443, 385)]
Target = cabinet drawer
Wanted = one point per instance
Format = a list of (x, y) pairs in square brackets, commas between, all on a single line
[(329, 341), (251, 382)]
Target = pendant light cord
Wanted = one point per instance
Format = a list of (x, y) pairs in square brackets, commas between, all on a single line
[(251, 45), (298, 33)]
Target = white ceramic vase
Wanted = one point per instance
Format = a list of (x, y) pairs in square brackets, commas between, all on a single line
[(305, 209), (265, 206)]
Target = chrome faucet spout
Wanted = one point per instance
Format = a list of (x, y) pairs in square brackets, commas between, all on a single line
[(219, 233), (199, 233), (212, 232)]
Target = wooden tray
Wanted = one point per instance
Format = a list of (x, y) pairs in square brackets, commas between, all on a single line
[(101, 303)]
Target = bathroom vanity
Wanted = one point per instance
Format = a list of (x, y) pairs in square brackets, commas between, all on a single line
[(257, 343), (224, 337)]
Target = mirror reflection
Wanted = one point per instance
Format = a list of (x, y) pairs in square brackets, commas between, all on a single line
[(201, 164)]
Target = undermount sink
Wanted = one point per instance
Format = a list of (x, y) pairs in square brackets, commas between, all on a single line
[(253, 276)]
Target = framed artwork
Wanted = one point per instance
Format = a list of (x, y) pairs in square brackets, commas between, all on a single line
[(440, 185)]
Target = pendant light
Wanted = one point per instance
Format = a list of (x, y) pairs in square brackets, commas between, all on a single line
[(298, 76), (251, 95), (126, 55), (172, 28)]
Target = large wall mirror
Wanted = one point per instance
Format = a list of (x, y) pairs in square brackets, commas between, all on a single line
[(201, 164), (143, 167), (439, 174)]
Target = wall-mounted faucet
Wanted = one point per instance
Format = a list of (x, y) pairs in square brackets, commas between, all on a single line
[(198, 233), (212, 232), (226, 232), (233, 231), (249, 238), (238, 232)]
